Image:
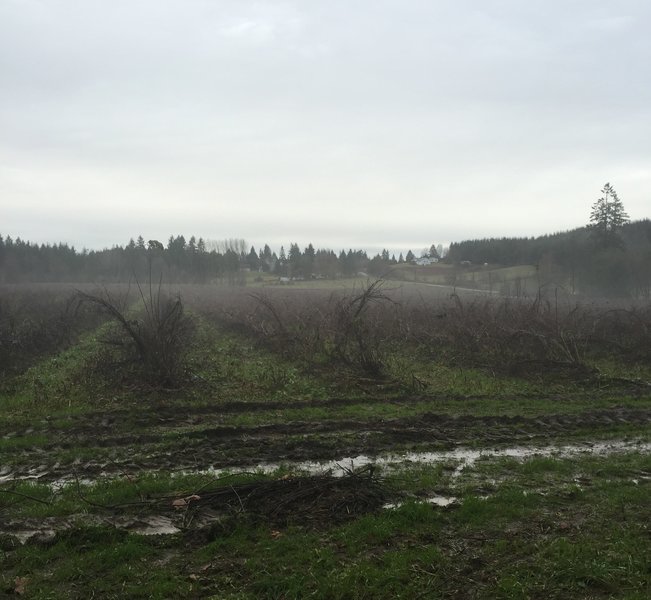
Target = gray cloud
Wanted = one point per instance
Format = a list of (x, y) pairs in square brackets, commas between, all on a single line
[(364, 123)]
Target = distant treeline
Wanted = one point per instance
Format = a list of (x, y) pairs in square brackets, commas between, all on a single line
[(575, 257), (180, 260)]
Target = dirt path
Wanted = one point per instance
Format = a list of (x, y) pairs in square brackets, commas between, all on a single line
[(114, 452), (316, 481)]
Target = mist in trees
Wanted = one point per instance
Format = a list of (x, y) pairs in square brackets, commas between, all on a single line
[(610, 256), (192, 260)]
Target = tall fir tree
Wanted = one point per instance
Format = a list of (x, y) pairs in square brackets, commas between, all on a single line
[(606, 219)]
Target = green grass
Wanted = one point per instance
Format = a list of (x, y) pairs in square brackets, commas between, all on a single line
[(562, 543), (544, 527), (100, 562), (476, 277), (257, 280), (40, 500), (228, 367)]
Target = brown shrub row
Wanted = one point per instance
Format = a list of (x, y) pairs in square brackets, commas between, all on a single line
[(361, 328), (37, 321)]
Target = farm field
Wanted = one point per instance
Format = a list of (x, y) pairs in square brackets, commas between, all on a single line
[(517, 281), (368, 441)]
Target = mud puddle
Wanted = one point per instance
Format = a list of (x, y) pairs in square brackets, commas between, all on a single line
[(440, 501), (463, 457), (44, 530), (460, 458)]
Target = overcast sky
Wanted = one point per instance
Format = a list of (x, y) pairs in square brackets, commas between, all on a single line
[(363, 124)]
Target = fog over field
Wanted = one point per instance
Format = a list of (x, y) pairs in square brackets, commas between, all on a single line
[(364, 125), (330, 300)]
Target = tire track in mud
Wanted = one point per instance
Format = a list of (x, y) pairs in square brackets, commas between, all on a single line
[(429, 424), (104, 422), (236, 446)]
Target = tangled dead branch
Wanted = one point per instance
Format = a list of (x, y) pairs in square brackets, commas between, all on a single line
[(308, 500), (153, 339)]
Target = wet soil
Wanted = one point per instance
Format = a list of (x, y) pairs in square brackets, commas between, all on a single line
[(200, 447), (180, 412), (314, 501)]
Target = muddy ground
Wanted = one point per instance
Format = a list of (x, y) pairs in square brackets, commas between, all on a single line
[(346, 499), (173, 440)]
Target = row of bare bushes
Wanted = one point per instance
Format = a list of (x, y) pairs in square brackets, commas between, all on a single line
[(517, 335), (36, 322), (146, 341), (347, 329), (363, 327), (360, 329), (149, 337)]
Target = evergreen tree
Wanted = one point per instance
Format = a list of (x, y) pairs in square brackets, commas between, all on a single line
[(252, 260), (307, 263), (201, 261), (606, 219), (281, 264), (267, 258), (326, 264), (294, 259)]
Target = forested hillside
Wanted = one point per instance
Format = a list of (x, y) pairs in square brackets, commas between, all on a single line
[(575, 257), (180, 260), (576, 260)]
